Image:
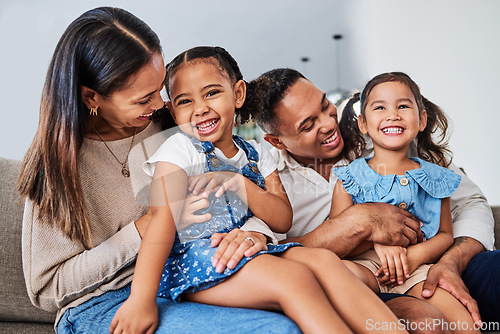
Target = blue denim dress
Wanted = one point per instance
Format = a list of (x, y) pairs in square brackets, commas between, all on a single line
[(419, 191), (189, 266)]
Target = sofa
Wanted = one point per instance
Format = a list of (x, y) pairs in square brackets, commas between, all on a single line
[(17, 314)]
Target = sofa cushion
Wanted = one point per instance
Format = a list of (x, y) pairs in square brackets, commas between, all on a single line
[(14, 302), (496, 215)]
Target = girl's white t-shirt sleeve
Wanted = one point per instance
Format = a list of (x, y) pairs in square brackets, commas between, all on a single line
[(266, 164), (177, 150)]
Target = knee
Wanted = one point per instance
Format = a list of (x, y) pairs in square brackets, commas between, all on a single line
[(290, 277), (322, 259), (417, 315)]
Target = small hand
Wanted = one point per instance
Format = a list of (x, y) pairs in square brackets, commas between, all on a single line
[(217, 182), (233, 246), (192, 204), (394, 264), (447, 277), (135, 316)]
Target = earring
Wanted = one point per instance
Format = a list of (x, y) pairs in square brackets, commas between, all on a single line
[(93, 111)]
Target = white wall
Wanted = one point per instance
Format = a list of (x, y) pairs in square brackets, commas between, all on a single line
[(451, 48)]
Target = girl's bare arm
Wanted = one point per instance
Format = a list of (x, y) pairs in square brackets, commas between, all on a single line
[(431, 250)]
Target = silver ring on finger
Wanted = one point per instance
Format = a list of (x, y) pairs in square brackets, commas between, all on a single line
[(251, 239)]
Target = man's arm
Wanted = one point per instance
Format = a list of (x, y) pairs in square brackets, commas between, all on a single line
[(473, 226), (377, 222), (472, 216)]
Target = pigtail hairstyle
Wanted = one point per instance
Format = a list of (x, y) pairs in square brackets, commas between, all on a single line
[(101, 50), (354, 142), (227, 66), (265, 92), (432, 143)]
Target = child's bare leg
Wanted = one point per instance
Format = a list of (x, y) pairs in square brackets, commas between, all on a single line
[(273, 283), (459, 319), (363, 273), (346, 292)]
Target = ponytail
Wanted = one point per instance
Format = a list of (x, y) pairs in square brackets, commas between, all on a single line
[(432, 142), (354, 142), (252, 104)]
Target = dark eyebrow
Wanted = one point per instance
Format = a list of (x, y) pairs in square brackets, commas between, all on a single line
[(212, 86), (178, 97), (204, 88), (304, 122), (323, 98), (406, 100), (376, 101), (307, 119), (400, 100), (147, 95)]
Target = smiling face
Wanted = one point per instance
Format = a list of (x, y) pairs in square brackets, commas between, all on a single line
[(308, 127), (203, 101), (132, 105), (391, 117)]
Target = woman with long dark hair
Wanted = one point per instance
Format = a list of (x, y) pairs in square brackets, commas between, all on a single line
[(86, 195)]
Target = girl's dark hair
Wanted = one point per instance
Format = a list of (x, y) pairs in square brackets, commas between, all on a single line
[(354, 142), (432, 142), (227, 66), (266, 92), (101, 50)]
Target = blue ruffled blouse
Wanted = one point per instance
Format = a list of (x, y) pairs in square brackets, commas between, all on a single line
[(419, 191)]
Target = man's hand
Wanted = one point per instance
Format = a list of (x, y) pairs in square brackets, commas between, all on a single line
[(389, 224), (376, 222), (446, 277), (447, 273)]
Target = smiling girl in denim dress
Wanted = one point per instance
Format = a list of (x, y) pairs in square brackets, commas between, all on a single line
[(206, 89), (393, 113)]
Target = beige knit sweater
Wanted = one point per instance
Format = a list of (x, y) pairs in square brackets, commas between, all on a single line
[(61, 273)]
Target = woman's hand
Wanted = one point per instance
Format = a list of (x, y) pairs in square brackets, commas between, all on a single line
[(233, 246), (217, 182), (394, 264), (135, 316)]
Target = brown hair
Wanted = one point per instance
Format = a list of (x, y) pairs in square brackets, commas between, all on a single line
[(101, 49), (429, 149), (227, 66)]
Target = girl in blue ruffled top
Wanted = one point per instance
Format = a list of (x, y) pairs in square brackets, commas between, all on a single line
[(312, 286), (393, 113)]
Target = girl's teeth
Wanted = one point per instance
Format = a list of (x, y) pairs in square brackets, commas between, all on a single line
[(392, 130), (206, 126)]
